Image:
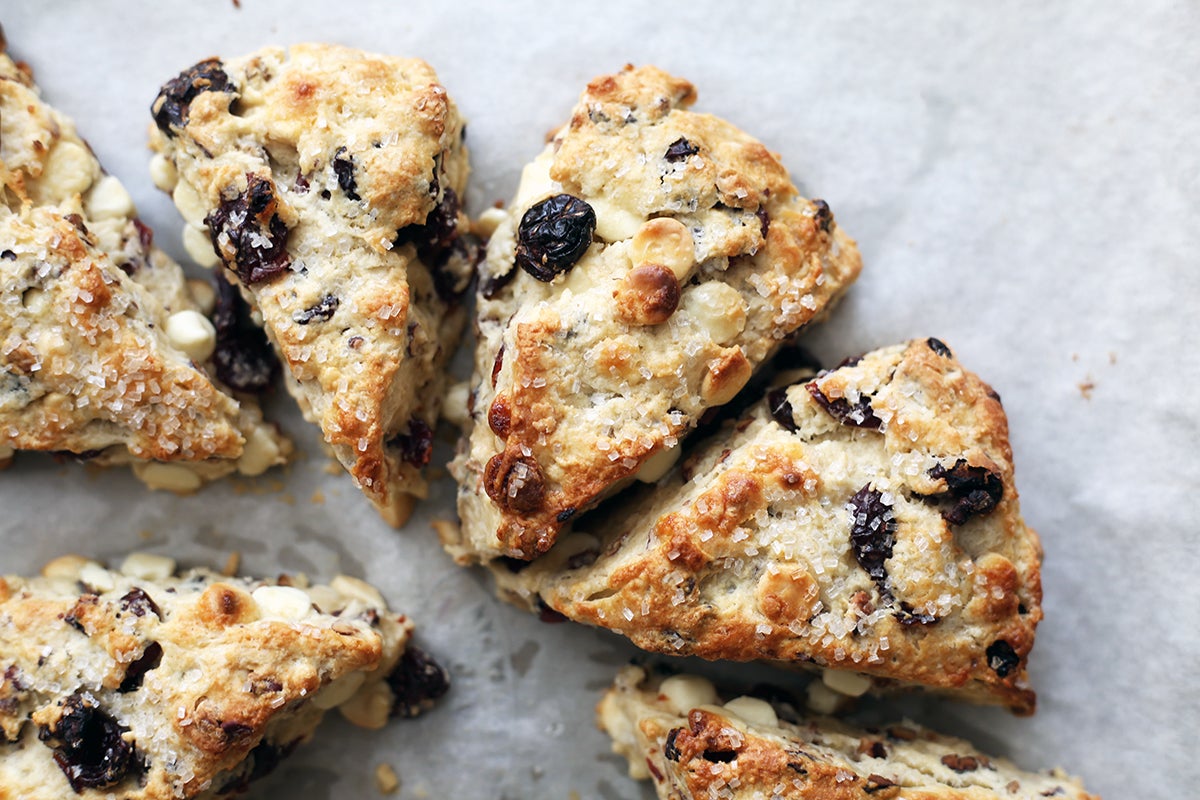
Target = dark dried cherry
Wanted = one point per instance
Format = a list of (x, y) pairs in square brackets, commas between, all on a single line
[(343, 168), (170, 108), (975, 490), (248, 233), (89, 745), (490, 285), (553, 235), (823, 216), (243, 357), (781, 409), (320, 311), (939, 347), (150, 658), (1002, 658), (514, 484), (679, 150), (872, 532), (859, 415), (416, 446), (416, 682)]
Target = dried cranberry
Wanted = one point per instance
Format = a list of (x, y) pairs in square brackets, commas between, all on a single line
[(720, 756), (170, 108), (416, 446), (1002, 658), (553, 235), (343, 167), (975, 490), (859, 415), (939, 347), (549, 615), (500, 417), (497, 364), (823, 215), (451, 283), (680, 149), (243, 357), (150, 659), (764, 220), (514, 484), (145, 235), (416, 682), (959, 763), (781, 409), (872, 532), (439, 230), (89, 746), (248, 234), (877, 783), (321, 311)]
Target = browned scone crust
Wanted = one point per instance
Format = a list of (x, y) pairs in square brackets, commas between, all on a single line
[(744, 751), (866, 520), (328, 182), (141, 685), (88, 311), (704, 259)]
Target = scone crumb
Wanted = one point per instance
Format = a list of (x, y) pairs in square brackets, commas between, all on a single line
[(232, 564), (318, 498), (386, 779), (448, 531)]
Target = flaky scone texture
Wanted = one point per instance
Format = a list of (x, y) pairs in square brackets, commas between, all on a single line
[(141, 684), (866, 520), (703, 260), (91, 319), (327, 180), (676, 732)]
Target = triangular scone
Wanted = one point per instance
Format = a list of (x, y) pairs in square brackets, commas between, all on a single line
[(866, 520), (328, 181), (142, 685), (652, 259), (676, 732), (104, 351)]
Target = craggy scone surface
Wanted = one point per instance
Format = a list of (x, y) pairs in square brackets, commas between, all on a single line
[(677, 733), (141, 684), (91, 361), (327, 180), (865, 520), (690, 257)]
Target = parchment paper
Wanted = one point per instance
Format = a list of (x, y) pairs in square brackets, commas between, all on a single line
[(1023, 180)]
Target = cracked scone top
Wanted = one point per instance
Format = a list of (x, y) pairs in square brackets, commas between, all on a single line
[(652, 259), (327, 180), (142, 685), (104, 351), (676, 732), (863, 521)]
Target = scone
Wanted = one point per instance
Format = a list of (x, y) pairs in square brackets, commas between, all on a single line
[(676, 732), (142, 685), (865, 520), (653, 257), (105, 353), (328, 182)]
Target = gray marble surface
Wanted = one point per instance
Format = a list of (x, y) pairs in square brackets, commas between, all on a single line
[(1024, 182)]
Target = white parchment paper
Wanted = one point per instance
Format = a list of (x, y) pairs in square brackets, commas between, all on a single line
[(1023, 179)]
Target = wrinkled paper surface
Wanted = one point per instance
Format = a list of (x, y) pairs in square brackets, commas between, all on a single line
[(1023, 183)]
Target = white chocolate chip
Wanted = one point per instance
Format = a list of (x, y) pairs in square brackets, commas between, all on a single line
[(203, 294), (109, 200), (614, 223), (148, 567), (851, 684), (97, 577), (68, 567), (822, 699), (454, 406), (370, 707), (754, 711), (535, 182), (718, 308), (685, 692), (488, 221), (170, 477), (357, 589), (70, 169), (199, 246), (326, 599), (191, 332), (386, 780), (36, 301), (658, 464), (282, 602), (163, 173), (666, 242), (188, 201), (339, 691), (259, 454)]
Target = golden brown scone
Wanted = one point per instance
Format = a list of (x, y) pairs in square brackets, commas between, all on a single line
[(327, 180), (865, 521), (105, 353), (676, 732), (138, 684), (652, 259)]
